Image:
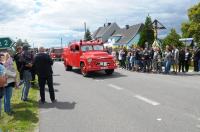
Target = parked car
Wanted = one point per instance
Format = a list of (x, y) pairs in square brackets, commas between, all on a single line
[(89, 56), (56, 53)]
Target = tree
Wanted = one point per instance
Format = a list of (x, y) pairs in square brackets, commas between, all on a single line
[(192, 28), (147, 33), (172, 39), (87, 35), (21, 43)]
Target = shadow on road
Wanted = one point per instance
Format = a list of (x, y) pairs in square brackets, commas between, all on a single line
[(187, 74), (101, 74), (56, 84), (55, 90), (58, 105), (56, 74)]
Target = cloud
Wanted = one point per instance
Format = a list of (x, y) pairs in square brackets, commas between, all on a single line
[(46, 21)]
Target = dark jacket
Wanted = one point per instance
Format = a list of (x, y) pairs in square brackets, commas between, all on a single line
[(26, 57), (42, 64), (137, 55), (17, 61), (197, 55), (182, 55)]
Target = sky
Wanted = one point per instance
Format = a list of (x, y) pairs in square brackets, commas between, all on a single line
[(45, 22)]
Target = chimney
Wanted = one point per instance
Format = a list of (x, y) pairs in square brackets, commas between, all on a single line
[(127, 26)]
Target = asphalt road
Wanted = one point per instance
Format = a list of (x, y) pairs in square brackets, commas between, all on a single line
[(124, 102)]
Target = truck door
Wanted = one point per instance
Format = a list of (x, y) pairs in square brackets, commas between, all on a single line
[(77, 56), (71, 55)]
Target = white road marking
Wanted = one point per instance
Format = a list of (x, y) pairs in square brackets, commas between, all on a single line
[(154, 103), (115, 87), (198, 119), (198, 126), (159, 119)]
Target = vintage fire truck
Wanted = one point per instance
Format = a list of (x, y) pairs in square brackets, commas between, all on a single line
[(56, 53), (89, 56)]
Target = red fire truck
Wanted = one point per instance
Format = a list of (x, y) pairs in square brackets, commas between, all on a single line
[(56, 53), (89, 56)]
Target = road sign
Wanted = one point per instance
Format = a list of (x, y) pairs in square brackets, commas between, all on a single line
[(6, 42)]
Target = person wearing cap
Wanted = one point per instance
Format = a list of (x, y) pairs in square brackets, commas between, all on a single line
[(43, 66), (27, 62), (19, 63)]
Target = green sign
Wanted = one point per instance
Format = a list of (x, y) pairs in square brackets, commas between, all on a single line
[(5, 42)]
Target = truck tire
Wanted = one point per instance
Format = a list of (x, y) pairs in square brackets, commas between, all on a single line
[(83, 71), (109, 71), (68, 68)]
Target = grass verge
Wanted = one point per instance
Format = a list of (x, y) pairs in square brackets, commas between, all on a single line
[(25, 117)]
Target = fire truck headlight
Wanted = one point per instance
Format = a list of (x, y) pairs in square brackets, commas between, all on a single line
[(89, 60)]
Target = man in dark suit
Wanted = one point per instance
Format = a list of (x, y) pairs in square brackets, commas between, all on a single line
[(43, 67), (182, 60)]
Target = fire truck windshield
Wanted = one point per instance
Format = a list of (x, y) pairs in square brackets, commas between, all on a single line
[(85, 48), (57, 51)]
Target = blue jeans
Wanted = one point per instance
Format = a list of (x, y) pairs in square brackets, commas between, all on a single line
[(167, 66), (1, 96), (27, 84), (7, 98)]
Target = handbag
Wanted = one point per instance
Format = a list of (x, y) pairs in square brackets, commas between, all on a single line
[(3, 81)]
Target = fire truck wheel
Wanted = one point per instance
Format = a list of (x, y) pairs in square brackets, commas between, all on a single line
[(68, 68), (109, 71), (83, 70)]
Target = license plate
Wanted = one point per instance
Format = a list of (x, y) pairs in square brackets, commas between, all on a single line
[(102, 68), (103, 63)]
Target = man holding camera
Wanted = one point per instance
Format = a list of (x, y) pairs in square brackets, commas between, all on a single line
[(26, 60)]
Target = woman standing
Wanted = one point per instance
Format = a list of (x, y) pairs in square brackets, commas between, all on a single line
[(168, 60), (11, 79), (2, 80)]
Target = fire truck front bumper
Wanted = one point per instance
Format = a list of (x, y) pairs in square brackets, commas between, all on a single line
[(91, 68)]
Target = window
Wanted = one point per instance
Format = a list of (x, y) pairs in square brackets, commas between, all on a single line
[(92, 48), (86, 48), (72, 48), (57, 50), (98, 47), (76, 48)]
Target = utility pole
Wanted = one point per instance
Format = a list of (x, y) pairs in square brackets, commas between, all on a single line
[(85, 27), (61, 42)]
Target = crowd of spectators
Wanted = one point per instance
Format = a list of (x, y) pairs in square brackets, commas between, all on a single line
[(169, 60)]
